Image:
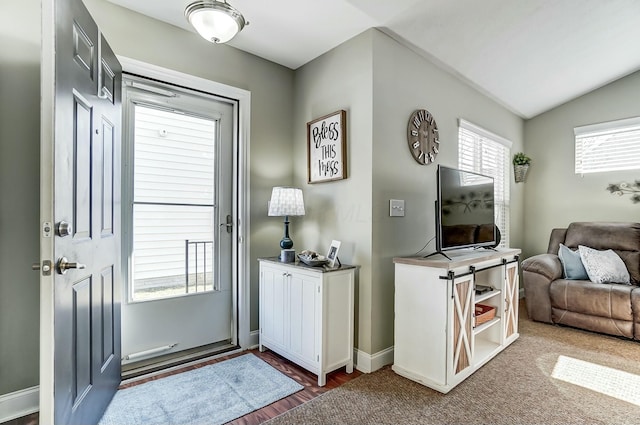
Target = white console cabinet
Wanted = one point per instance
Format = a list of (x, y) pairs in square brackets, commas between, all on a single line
[(437, 342), (306, 314)]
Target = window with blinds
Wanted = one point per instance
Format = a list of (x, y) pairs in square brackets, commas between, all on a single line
[(609, 146), (486, 153)]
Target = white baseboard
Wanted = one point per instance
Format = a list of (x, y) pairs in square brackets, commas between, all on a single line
[(254, 339), (17, 404), (368, 363)]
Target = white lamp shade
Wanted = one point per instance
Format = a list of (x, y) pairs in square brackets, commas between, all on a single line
[(215, 21), (286, 201)]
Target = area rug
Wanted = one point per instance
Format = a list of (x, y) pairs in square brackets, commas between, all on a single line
[(210, 395), (550, 375)]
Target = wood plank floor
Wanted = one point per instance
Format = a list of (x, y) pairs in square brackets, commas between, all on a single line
[(295, 372)]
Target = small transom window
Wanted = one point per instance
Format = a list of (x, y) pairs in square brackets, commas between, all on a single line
[(609, 146)]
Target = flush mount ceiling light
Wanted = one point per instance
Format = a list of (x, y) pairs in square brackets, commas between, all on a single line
[(216, 21)]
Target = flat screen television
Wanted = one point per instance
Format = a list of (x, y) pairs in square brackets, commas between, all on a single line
[(465, 212)]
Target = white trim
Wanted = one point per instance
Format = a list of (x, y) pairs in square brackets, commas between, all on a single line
[(181, 79), (592, 130), (18, 404), (368, 363), (244, 120), (254, 340), (484, 133), (47, 119)]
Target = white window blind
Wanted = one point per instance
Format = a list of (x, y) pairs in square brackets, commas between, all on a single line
[(609, 146), (486, 153)]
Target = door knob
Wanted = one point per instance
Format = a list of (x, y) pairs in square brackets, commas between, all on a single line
[(64, 229), (63, 265)]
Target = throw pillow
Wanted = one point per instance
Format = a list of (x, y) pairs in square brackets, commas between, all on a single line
[(603, 266), (572, 264)]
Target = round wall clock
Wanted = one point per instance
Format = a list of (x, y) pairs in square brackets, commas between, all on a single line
[(422, 136)]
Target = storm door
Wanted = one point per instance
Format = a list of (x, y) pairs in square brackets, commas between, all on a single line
[(179, 208)]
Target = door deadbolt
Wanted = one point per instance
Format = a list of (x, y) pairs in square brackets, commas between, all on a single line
[(63, 265), (46, 267), (64, 229)]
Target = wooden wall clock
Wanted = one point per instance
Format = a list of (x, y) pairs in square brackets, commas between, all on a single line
[(422, 136)]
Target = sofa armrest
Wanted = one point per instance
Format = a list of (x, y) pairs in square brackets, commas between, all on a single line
[(537, 274), (547, 265)]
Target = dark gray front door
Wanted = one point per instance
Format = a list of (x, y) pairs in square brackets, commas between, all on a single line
[(86, 197)]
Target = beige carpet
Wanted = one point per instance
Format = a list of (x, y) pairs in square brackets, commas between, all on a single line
[(516, 387)]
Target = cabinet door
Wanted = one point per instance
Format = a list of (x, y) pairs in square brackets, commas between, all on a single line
[(304, 311), (511, 288), (462, 326), (273, 294)]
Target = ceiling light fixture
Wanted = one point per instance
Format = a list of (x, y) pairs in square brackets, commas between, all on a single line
[(216, 21)]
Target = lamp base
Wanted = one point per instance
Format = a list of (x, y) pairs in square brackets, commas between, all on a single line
[(286, 243), (288, 256)]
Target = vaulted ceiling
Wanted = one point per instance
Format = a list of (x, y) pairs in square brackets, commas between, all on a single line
[(529, 55)]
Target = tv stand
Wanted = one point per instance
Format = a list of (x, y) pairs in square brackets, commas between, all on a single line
[(442, 294)]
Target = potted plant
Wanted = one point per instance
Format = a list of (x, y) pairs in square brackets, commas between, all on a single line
[(521, 164)]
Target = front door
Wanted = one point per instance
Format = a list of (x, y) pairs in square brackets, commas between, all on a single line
[(80, 214)]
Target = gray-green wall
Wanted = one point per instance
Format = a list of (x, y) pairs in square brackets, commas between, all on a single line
[(404, 82), (341, 210), (555, 195), (379, 83), (19, 193)]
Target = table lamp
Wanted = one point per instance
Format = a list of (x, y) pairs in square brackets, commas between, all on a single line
[(285, 202)]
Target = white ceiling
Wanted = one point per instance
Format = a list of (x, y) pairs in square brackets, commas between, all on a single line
[(529, 55)]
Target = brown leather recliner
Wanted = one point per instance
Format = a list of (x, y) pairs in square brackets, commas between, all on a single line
[(610, 308)]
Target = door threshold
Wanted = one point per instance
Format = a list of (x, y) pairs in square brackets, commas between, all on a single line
[(147, 368)]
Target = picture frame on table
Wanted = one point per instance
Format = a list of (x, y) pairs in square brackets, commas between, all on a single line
[(327, 148), (332, 254)]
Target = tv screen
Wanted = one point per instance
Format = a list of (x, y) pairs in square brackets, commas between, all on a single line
[(464, 210)]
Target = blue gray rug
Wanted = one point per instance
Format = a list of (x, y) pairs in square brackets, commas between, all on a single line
[(209, 395)]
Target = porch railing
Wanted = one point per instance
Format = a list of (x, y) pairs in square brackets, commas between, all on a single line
[(199, 260)]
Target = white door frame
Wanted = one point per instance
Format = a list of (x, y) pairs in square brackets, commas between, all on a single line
[(242, 300), (47, 117)]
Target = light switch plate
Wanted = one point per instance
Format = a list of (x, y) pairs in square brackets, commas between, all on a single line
[(396, 208)]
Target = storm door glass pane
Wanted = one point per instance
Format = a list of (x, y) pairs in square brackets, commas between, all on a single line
[(174, 204)]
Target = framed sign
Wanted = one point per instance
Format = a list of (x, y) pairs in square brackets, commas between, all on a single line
[(327, 148)]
